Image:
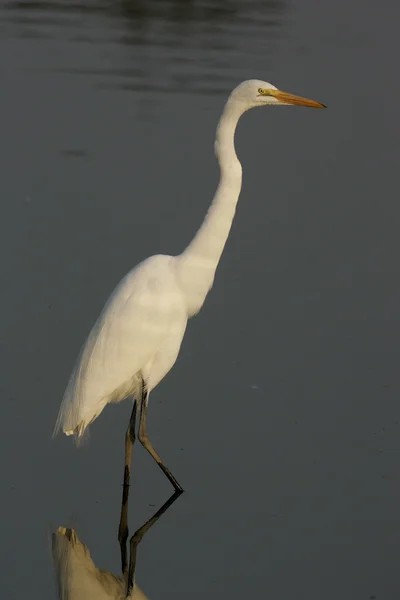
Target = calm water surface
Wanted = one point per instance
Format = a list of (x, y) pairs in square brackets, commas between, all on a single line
[(281, 416)]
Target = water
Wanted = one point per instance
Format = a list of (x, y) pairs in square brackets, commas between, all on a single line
[(281, 416)]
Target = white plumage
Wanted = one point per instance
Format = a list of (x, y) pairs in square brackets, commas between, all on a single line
[(139, 333)]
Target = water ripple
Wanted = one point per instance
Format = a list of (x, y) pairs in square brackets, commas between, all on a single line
[(185, 45)]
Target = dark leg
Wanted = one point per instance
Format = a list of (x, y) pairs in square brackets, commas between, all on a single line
[(123, 531), (145, 441), (138, 536)]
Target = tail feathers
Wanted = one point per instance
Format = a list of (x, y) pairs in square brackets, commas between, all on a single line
[(80, 431), (71, 421), (68, 420), (76, 414)]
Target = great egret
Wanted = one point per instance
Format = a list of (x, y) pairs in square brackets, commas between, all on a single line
[(136, 340)]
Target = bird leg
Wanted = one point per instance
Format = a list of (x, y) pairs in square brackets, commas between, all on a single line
[(123, 531), (145, 441), (138, 536)]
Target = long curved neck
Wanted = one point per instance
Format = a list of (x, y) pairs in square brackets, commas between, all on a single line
[(198, 262)]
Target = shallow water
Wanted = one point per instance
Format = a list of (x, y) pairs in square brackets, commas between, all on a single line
[(281, 416)]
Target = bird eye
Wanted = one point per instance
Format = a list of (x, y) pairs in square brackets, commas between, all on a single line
[(260, 90)]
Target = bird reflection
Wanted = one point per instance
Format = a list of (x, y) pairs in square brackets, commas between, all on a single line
[(77, 576)]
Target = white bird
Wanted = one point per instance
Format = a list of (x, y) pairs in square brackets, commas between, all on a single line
[(136, 340)]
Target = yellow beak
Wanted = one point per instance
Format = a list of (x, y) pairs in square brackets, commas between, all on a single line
[(286, 98)]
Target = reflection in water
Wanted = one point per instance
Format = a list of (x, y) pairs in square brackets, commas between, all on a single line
[(168, 45), (78, 578), (77, 575)]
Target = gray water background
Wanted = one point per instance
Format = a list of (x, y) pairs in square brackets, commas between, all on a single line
[(281, 416)]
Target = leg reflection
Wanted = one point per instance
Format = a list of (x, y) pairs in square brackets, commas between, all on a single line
[(123, 530), (138, 536)]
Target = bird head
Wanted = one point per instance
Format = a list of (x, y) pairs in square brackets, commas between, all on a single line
[(255, 92)]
